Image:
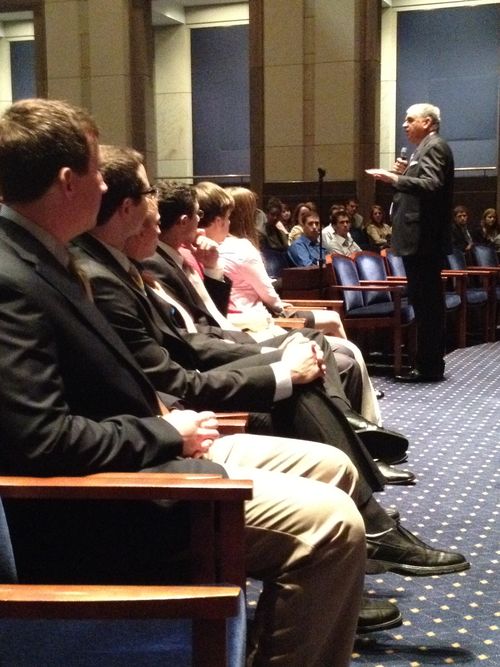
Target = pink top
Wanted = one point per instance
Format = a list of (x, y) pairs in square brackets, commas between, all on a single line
[(251, 284)]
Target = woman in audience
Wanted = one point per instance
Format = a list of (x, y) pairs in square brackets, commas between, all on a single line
[(286, 216), (377, 229), (488, 232), (253, 294), (298, 216), (273, 236)]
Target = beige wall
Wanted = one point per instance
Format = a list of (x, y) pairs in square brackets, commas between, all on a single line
[(173, 85), (317, 59)]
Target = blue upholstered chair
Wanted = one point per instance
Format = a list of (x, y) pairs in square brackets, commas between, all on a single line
[(120, 626), (485, 256), (480, 299), (373, 306), (455, 300)]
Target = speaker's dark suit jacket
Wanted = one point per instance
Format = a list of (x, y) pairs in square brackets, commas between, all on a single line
[(421, 234), (422, 205), (172, 359), (73, 402)]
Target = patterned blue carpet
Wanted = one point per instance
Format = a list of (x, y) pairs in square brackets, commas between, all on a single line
[(454, 432)]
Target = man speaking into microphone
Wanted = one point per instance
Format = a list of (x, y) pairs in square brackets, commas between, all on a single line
[(421, 232)]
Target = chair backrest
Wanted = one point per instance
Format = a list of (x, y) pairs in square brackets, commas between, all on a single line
[(345, 272), (306, 282), (371, 266), (395, 264), (275, 261), (456, 261), (485, 255), (8, 573)]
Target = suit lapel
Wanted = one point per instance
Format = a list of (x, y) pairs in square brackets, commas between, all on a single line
[(99, 252), (46, 266)]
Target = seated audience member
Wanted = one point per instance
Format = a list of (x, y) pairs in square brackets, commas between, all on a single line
[(252, 291), (253, 294), (460, 236), (336, 236), (488, 231), (92, 410), (298, 216), (306, 251), (274, 236), (377, 229), (313, 411), (286, 216), (352, 210), (357, 229)]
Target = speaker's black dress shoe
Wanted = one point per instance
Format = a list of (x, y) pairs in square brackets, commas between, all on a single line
[(416, 376), (395, 476), (383, 444), (404, 553), (378, 615), (379, 394)]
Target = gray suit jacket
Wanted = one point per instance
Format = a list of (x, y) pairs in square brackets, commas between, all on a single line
[(422, 205)]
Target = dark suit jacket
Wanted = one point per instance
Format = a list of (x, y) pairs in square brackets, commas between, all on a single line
[(168, 272), (170, 358), (422, 205), (74, 402), (66, 376)]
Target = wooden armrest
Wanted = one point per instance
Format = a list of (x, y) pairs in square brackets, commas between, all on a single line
[(290, 322), (315, 303), (370, 286), (296, 309), (110, 601), (495, 269), (232, 415), (128, 486)]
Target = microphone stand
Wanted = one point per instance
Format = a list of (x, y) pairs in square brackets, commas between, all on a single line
[(321, 176)]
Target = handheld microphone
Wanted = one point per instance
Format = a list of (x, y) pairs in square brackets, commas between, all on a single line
[(321, 173), (403, 155)]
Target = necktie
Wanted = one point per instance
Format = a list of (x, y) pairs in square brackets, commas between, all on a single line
[(136, 277), (79, 274), (159, 290), (200, 288)]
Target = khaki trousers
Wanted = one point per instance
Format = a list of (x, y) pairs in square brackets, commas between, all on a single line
[(306, 542)]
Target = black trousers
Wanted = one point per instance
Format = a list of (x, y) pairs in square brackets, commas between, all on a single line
[(425, 292)]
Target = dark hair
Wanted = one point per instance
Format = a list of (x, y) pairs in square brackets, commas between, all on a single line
[(174, 200), (119, 168), (273, 202), (460, 209), (214, 201), (38, 138), (338, 214)]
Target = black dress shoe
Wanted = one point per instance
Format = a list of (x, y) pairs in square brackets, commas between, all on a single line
[(383, 444), (379, 394), (395, 476), (416, 376), (404, 553), (378, 615), (393, 512)]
